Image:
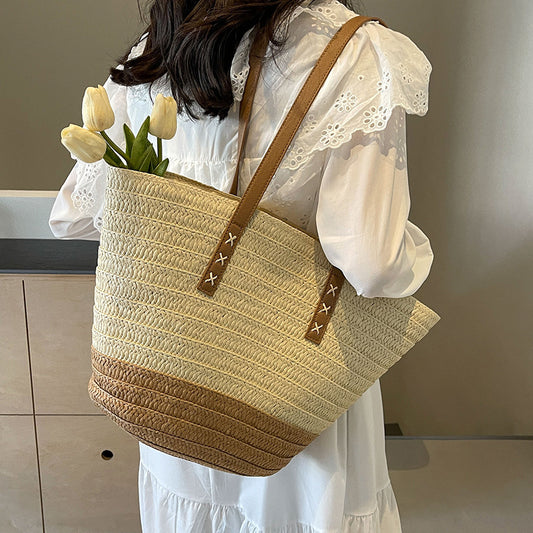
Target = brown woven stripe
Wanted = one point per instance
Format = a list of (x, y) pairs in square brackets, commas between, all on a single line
[(193, 414), (203, 397), (149, 437), (199, 446)]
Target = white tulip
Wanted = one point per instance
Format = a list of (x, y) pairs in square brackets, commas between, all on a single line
[(163, 120), (83, 144), (96, 109)]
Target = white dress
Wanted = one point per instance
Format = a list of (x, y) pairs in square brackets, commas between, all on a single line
[(344, 179)]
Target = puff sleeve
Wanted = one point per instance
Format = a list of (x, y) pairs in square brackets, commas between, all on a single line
[(364, 201), (77, 210)]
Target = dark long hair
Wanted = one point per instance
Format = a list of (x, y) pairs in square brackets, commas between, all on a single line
[(194, 42)]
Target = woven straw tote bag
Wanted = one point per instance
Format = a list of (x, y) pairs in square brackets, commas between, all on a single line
[(221, 334)]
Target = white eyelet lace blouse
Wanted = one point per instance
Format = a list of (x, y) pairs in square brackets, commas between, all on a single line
[(344, 179)]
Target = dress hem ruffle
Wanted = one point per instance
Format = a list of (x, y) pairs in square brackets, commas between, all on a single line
[(188, 515)]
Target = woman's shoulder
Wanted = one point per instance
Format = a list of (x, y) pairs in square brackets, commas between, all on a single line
[(327, 16), (378, 70), (382, 58)]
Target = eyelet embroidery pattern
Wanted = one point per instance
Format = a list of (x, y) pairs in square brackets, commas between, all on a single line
[(345, 102), (238, 81), (333, 135), (427, 71), (375, 117), (98, 223), (309, 124), (384, 84), (327, 12), (384, 96), (406, 75), (322, 28), (83, 196), (420, 102), (87, 196), (318, 26), (401, 156), (83, 200), (361, 106), (296, 158), (240, 67)]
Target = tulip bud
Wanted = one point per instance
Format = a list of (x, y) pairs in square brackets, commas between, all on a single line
[(163, 120), (83, 144), (96, 109)]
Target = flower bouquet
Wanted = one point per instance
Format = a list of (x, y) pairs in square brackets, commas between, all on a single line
[(91, 143)]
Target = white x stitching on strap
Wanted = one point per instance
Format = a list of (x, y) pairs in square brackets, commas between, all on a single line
[(231, 239), (325, 308), (211, 278), (221, 258), (332, 289), (317, 327)]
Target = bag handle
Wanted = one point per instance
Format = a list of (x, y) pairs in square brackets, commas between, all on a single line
[(247, 205), (256, 59)]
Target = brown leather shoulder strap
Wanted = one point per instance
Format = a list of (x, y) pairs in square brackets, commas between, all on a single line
[(277, 149), (255, 60)]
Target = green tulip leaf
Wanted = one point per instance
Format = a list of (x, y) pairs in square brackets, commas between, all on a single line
[(109, 161), (140, 145), (111, 158), (155, 160), (130, 138), (146, 159), (161, 168)]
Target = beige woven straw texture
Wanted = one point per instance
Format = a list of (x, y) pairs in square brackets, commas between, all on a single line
[(247, 340)]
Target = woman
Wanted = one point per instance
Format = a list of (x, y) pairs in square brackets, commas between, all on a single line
[(343, 179)]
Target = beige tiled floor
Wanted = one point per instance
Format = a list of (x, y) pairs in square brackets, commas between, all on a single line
[(20, 507), (463, 486)]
